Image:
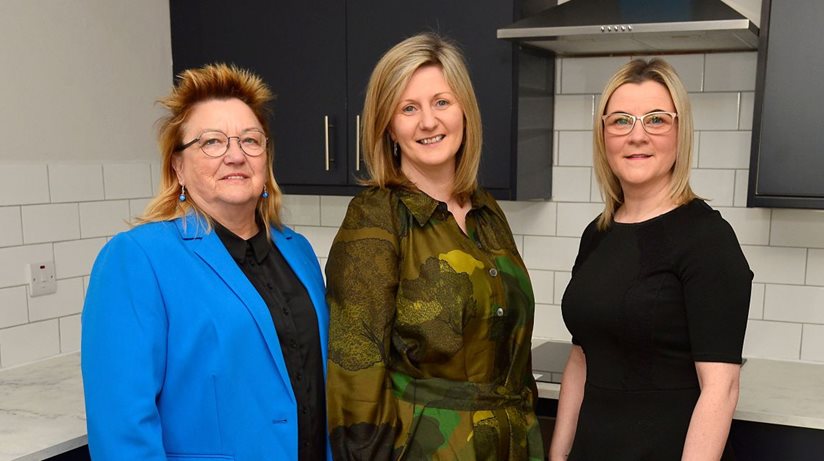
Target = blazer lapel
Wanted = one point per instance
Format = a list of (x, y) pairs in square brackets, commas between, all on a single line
[(210, 249)]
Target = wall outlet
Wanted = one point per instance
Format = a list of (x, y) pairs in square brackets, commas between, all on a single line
[(42, 280)]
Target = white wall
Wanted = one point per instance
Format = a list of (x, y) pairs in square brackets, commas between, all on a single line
[(77, 94), (785, 248)]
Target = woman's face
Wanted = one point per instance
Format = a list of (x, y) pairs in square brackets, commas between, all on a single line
[(428, 125), (228, 187), (640, 160)]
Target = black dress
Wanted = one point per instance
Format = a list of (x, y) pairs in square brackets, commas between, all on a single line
[(645, 302)]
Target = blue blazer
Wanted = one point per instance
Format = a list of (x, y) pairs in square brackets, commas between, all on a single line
[(179, 354)]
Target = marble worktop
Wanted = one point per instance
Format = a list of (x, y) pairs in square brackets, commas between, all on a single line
[(41, 409), (42, 412)]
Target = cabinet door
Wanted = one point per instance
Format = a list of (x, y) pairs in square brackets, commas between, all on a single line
[(299, 49), (373, 26)]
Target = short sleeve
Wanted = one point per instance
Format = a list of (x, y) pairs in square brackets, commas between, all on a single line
[(584, 248), (717, 283)]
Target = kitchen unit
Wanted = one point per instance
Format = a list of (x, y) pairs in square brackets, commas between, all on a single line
[(319, 64)]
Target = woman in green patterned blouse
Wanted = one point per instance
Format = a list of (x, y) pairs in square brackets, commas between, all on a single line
[(431, 304)]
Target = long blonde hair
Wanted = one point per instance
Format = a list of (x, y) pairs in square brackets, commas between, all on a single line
[(388, 81), (193, 86), (639, 71)]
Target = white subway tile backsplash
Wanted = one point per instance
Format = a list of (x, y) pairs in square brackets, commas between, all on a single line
[(70, 334), (751, 225), (745, 115), (571, 184), (137, 207), (724, 149), (11, 226), (333, 210), (791, 303), (127, 180), (530, 218), (75, 258), (801, 228), (690, 69), (13, 262), (24, 184), (772, 340), (519, 243), (573, 218), (543, 285), (742, 184), (549, 324), (320, 237), (776, 264), (812, 344), (815, 267), (301, 210), (13, 306), (156, 172), (757, 301), (595, 195), (715, 111), (574, 148), (550, 253), (574, 112), (588, 75), (48, 223), (76, 182), (561, 281), (730, 71), (66, 301), (715, 186), (100, 219), (30, 342)]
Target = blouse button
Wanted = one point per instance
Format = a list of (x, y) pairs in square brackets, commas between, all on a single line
[(493, 272), (500, 312)]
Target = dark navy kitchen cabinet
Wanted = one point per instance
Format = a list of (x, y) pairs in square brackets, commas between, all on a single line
[(318, 56)]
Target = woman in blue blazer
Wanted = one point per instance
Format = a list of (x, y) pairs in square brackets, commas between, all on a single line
[(205, 326)]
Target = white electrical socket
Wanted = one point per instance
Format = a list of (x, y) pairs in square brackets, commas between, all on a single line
[(41, 278)]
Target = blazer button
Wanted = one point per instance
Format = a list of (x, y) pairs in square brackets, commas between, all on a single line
[(493, 272), (500, 312)]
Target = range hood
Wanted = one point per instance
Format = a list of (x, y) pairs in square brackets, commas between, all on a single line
[(608, 27)]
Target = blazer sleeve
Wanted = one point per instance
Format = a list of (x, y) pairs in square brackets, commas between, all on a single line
[(362, 282), (123, 354)]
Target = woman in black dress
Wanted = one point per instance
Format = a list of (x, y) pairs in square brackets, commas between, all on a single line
[(658, 300)]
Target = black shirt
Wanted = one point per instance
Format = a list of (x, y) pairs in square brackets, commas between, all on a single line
[(297, 328)]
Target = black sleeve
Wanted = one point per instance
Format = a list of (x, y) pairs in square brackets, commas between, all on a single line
[(717, 283), (584, 248)]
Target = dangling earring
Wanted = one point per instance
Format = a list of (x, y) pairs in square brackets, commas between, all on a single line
[(395, 149), (182, 196), (264, 194)]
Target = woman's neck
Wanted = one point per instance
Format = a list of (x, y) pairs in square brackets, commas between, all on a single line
[(640, 206), (244, 226)]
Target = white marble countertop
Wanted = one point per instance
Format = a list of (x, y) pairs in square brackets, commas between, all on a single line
[(772, 391), (42, 412)]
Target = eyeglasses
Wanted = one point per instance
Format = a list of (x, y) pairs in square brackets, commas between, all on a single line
[(619, 123), (216, 143)]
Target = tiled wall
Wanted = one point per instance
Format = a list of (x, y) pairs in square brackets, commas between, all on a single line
[(65, 213), (62, 213)]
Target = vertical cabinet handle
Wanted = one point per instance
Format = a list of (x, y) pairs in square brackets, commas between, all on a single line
[(357, 143), (326, 142)]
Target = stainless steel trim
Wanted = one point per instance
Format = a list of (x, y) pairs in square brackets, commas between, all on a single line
[(675, 27), (357, 143), (326, 141)]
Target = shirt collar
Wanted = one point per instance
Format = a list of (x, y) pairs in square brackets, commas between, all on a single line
[(237, 246), (422, 206)]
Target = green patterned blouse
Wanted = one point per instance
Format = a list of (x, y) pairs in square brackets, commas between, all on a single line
[(430, 329)]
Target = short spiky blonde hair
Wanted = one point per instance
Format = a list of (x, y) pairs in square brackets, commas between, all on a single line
[(387, 83), (193, 86), (639, 71)]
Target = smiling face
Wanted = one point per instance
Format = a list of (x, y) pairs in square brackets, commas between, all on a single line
[(428, 125), (226, 188), (641, 161)]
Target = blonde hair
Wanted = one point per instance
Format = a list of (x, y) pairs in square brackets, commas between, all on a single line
[(639, 71), (193, 86), (386, 85)]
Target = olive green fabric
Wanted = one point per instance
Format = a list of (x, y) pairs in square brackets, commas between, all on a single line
[(429, 337)]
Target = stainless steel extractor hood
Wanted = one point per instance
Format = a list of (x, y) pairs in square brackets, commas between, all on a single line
[(606, 27)]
